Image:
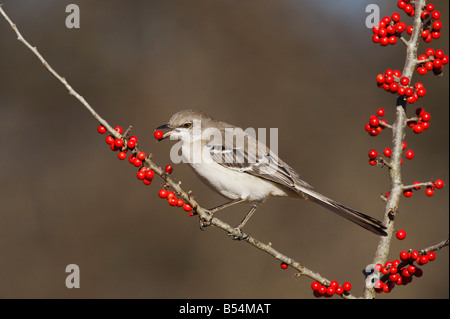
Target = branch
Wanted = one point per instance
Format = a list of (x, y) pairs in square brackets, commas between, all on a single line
[(398, 133), (187, 197)]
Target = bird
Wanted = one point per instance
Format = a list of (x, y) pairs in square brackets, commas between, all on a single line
[(243, 169)]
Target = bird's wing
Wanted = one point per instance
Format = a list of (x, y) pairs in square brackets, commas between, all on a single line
[(242, 152)]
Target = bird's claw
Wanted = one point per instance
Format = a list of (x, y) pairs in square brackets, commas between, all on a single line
[(237, 234)]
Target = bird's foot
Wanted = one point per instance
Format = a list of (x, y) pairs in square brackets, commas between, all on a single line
[(237, 234)]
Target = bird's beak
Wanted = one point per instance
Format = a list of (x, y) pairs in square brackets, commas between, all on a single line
[(167, 134)]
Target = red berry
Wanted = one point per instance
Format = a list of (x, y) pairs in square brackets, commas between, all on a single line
[(339, 290), (187, 207), (347, 286), (409, 154), (421, 92), (334, 284), (110, 139), (131, 144), (173, 201), (101, 129), (380, 79), (392, 39), (374, 121), (395, 17), (315, 285), (375, 38), (422, 70), (407, 193), (435, 34), (170, 195), (431, 256), (408, 9), (411, 269), (384, 41), (413, 255), (141, 156), (436, 15), (147, 181), (394, 277), (169, 169), (180, 203), (401, 4), (425, 15), (149, 174), (131, 158), (417, 187), (406, 273), (284, 266), (404, 255), (373, 162), (426, 116), (430, 7), (158, 134), (404, 81), (387, 152), (429, 191), (437, 25), (118, 143), (322, 290), (330, 291), (439, 54), (428, 52), (418, 272), (140, 175), (401, 234), (417, 128), (118, 129), (163, 193), (122, 155), (373, 154), (437, 64), (380, 112), (439, 183), (137, 162), (422, 260)]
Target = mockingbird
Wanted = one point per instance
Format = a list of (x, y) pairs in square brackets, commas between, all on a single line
[(243, 169)]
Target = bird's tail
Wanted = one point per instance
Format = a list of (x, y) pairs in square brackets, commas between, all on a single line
[(367, 222)]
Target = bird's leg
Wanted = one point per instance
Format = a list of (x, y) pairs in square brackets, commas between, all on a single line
[(237, 233), (212, 211)]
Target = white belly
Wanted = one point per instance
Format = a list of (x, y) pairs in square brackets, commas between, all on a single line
[(234, 184)]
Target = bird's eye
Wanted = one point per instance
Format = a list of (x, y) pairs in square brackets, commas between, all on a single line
[(187, 125)]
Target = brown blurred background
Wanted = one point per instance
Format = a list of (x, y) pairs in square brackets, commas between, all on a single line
[(305, 67)]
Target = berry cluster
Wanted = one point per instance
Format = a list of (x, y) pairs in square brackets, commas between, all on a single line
[(401, 272), (392, 81), (387, 152), (174, 201), (137, 159), (431, 24), (434, 60), (375, 124), (429, 191), (388, 30), (320, 290), (421, 122)]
